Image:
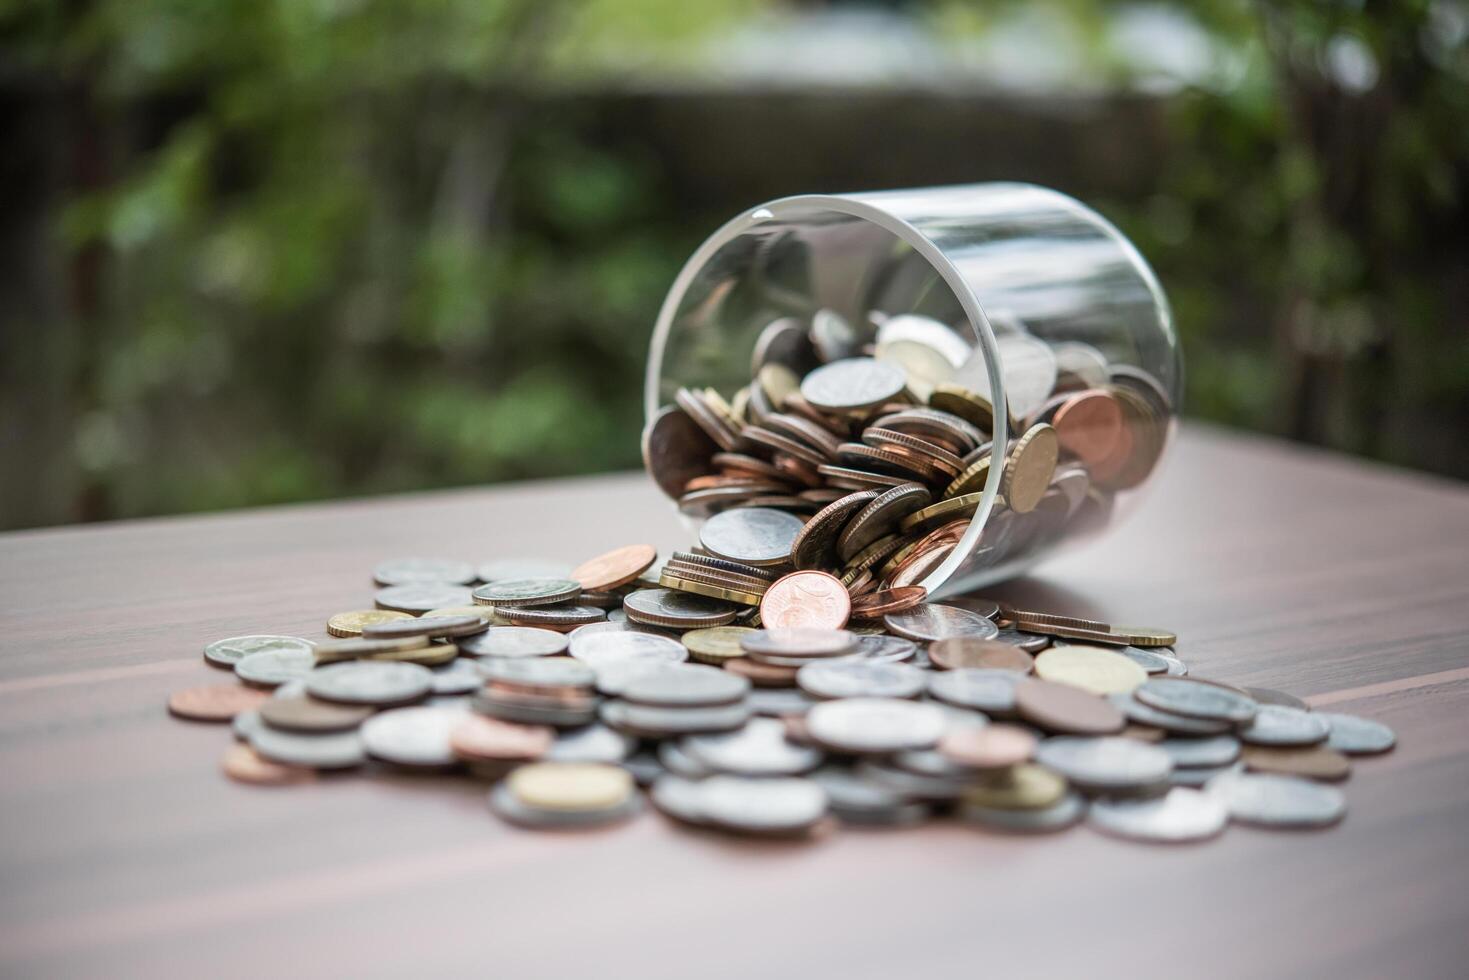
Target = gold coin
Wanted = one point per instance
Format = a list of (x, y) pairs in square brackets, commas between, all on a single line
[(924, 367), (1145, 636), (778, 382), (875, 552), (716, 644), (713, 591), (351, 623), (1027, 473), (244, 765), (334, 651), (1071, 632), (484, 612), (1093, 669), (952, 509), (970, 406), (971, 480), (570, 785), (1022, 787), (433, 655)]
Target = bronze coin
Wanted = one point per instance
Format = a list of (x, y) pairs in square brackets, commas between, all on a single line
[(762, 675), (1066, 709), (806, 431), (215, 702), (814, 546), (1314, 762), (244, 765), (739, 464), (615, 568), (806, 600), (781, 443), (306, 714), (880, 517), (890, 459), (957, 652), (880, 603), (675, 450), (478, 737), (1088, 425), (935, 455), (987, 747)]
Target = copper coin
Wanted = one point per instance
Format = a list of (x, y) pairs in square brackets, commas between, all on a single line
[(1066, 709), (675, 450), (243, 764), (880, 517), (806, 600), (1088, 425), (988, 747), (815, 544), (306, 714), (1315, 762), (879, 604), (215, 702), (616, 568), (762, 675), (918, 567), (477, 737), (956, 652)]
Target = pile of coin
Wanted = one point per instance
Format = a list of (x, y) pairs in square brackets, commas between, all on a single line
[(569, 688), (886, 446)]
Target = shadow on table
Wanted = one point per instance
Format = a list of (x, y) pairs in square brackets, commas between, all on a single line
[(1038, 594)]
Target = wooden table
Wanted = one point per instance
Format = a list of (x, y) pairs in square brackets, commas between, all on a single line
[(125, 852)]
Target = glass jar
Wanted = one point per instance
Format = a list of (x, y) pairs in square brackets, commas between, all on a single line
[(1013, 308)]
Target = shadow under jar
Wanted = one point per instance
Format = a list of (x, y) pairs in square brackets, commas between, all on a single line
[(1000, 345)]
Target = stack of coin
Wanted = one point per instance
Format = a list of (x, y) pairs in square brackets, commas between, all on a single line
[(878, 708)]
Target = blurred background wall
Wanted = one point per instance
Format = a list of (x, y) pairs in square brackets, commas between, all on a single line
[(255, 251)]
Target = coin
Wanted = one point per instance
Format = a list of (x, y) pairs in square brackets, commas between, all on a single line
[(875, 725), (1145, 636), (1106, 765), (1022, 787), (860, 679), (1351, 735), (990, 691), (815, 546), (1200, 753), (886, 649), (1027, 472), (679, 610), (1266, 695), (756, 536), (966, 651), (475, 737), (875, 605), (1277, 801), (338, 750), (806, 600), (858, 800), (214, 702), (1065, 812), (539, 672), (655, 721), (420, 597), (601, 650), (1277, 725), (853, 383), (762, 674), (552, 617), (432, 571), (933, 621), (590, 743), (1144, 714), (685, 685), (766, 805), (354, 648), (988, 746), (431, 626), (306, 714), (414, 737), (1066, 709), (800, 643), (715, 644), (227, 653), (570, 785), (370, 682), (1179, 815), (760, 748), (1029, 642), (513, 641), (1088, 425), (879, 517), (273, 667), (1093, 669), (1196, 699), (1313, 762), (525, 592), (351, 623), (244, 765)]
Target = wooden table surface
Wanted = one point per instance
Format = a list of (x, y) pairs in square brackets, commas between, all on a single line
[(125, 852)]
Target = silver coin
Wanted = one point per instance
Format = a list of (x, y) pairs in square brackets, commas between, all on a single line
[(1196, 699), (1195, 753), (927, 331), (1200, 777), (291, 689), (860, 679), (227, 653), (657, 722), (458, 676), (418, 598), (1278, 801), (412, 736), (759, 749), (674, 759), (771, 805), (246, 723), (685, 685), (530, 714), (593, 743), (1106, 764), (523, 592), (506, 569), (885, 649), (662, 607), (853, 383), (912, 784), (1144, 714), (956, 717), (411, 571), (1268, 695), (1357, 736), (644, 767), (514, 641), (779, 701), (867, 725), (602, 650), (1029, 642), (855, 799), (1027, 366), (437, 627), (984, 689), (832, 336), (800, 644), (1277, 725), (536, 672), (752, 535), (934, 621), (1087, 365), (338, 750), (271, 668), (514, 810), (370, 682), (679, 798), (1065, 812), (1176, 667), (1179, 815)]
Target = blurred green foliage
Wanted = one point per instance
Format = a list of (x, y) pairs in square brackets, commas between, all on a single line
[(345, 250)]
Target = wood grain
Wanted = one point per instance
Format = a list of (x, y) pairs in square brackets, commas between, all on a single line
[(124, 852)]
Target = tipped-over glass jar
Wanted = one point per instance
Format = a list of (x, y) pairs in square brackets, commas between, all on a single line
[(1000, 350)]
